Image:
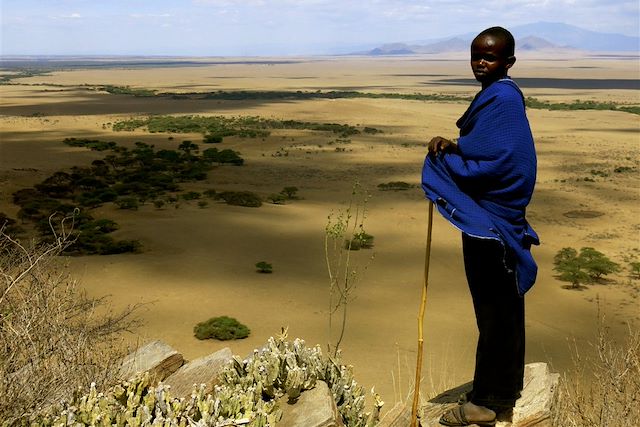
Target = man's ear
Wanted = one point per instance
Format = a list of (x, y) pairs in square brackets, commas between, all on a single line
[(510, 61)]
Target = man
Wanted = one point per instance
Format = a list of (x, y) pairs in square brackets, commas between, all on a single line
[(482, 184)]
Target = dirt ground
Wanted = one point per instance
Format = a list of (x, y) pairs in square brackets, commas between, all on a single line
[(199, 263)]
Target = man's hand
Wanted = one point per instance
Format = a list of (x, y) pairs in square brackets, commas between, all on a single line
[(439, 144)]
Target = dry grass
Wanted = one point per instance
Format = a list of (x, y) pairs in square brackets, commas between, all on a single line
[(603, 390), (53, 338)]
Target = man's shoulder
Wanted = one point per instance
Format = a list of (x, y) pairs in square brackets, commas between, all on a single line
[(507, 91)]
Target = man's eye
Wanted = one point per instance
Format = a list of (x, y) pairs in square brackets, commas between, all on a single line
[(488, 58)]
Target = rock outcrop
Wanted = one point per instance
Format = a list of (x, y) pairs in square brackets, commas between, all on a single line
[(317, 408)]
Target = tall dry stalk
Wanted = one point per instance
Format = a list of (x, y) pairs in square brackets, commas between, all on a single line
[(602, 390), (341, 231), (53, 338)]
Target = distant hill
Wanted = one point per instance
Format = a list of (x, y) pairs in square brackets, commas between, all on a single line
[(529, 37)]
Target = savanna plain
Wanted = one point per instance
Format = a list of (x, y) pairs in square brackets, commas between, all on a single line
[(197, 261)]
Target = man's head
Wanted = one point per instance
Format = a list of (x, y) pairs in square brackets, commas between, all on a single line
[(492, 54)]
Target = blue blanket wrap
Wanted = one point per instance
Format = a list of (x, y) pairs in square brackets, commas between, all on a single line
[(484, 188)]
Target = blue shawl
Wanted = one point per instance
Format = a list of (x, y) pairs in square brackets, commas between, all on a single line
[(484, 188)]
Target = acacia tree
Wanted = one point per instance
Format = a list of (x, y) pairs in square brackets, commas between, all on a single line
[(588, 266), (596, 263)]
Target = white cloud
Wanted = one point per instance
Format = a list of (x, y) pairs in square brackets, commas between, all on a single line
[(74, 15), (150, 15)]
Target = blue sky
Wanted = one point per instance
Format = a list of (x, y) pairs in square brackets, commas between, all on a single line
[(274, 27)]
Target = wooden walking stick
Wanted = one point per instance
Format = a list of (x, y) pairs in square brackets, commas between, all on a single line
[(423, 304)]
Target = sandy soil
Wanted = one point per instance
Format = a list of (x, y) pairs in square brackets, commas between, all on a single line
[(199, 263)]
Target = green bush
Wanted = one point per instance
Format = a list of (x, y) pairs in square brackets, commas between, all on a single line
[(240, 198), (360, 240), (221, 328), (290, 192), (191, 195), (127, 203), (277, 199), (394, 186), (587, 266), (212, 139), (635, 269), (264, 267)]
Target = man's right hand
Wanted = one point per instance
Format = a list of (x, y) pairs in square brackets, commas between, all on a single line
[(439, 144)]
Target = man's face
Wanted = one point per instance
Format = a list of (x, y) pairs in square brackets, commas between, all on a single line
[(488, 60)]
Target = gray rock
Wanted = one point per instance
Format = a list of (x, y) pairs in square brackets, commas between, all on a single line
[(314, 408), (398, 416), (156, 357), (539, 394), (532, 409), (204, 370)]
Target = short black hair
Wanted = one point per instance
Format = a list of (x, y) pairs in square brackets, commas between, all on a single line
[(503, 34)]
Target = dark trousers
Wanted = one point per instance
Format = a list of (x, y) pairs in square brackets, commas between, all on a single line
[(499, 310)]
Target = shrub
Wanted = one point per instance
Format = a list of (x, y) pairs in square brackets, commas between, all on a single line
[(394, 186), (210, 193), (53, 338), (602, 390), (635, 269), (127, 203), (360, 240), (212, 139), (264, 267), (277, 199), (158, 203), (240, 198), (191, 195), (9, 225), (290, 192), (221, 328)]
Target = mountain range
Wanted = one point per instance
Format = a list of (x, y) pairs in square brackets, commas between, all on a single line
[(529, 37)]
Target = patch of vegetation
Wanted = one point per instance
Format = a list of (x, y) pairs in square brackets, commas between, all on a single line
[(240, 198), (395, 186), (223, 156), (222, 126), (92, 144), (602, 389), (581, 105), (623, 169), (221, 328), (290, 192), (6, 79), (264, 267), (128, 178), (212, 139), (55, 338), (587, 266), (191, 195), (247, 394), (634, 267), (277, 198), (126, 90), (360, 240), (9, 225), (337, 94)]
